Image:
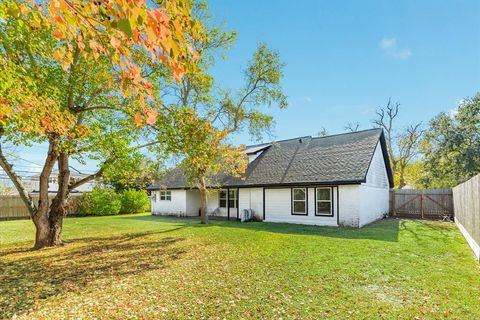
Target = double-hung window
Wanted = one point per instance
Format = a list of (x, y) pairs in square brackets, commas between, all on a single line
[(222, 195), (232, 198), (299, 201), (324, 202), (166, 195)]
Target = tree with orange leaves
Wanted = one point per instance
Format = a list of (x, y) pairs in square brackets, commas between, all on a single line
[(76, 75)]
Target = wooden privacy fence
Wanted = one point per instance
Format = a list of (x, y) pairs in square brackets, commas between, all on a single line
[(12, 207), (466, 198), (423, 204)]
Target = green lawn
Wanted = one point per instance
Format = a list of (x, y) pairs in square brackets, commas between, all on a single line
[(157, 267)]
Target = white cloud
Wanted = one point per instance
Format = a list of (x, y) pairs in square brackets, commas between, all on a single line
[(308, 99), (403, 54), (388, 43), (390, 47)]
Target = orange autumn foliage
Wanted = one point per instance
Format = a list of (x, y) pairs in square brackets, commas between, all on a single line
[(111, 29)]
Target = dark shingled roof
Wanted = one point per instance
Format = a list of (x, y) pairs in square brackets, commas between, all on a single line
[(336, 159)]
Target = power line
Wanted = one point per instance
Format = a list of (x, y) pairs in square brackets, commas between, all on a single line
[(70, 166)]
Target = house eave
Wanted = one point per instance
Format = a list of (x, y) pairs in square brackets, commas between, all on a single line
[(267, 185)]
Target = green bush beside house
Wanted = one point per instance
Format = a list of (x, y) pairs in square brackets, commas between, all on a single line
[(134, 201), (103, 202)]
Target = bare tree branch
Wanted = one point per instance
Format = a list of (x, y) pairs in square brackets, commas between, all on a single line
[(352, 126), (402, 147)]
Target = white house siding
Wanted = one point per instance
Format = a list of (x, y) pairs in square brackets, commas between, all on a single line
[(176, 206), (212, 202), (278, 208), (213, 205), (349, 205), (251, 198), (374, 193), (373, 204), (377, 172), (192, 202)]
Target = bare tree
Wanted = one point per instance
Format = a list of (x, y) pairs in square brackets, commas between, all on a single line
[(322, 133), (402, 145), (352, 126)]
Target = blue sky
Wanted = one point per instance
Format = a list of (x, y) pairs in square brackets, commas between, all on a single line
[(346, 58)]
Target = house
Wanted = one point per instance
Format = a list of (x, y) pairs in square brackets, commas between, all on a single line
[(53, 182), (336, 180)]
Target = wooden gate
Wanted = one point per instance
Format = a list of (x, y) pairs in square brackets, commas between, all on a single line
[(423, 204)]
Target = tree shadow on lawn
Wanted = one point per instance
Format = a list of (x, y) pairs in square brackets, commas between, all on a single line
[(42, 274), (383, 230), (426, 230)]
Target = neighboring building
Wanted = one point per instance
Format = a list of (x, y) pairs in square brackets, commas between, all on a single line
[(337, 180), (53, 182)]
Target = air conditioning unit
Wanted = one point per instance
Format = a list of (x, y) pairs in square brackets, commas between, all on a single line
[(247, 215)]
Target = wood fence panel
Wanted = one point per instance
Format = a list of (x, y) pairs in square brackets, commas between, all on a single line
[(12, 206), (466, 197), (424, 204)]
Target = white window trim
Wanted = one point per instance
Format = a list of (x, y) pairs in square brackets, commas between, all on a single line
[(305, 213), (317, 201)]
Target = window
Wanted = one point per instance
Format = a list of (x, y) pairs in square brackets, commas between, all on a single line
[(166, 195), (232, 198), (324, 202), (222, 195), (299, 201)]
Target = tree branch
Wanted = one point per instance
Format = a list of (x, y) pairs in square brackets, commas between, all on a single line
[(99, 173), (24, 195), (50, 161), (85, 180)]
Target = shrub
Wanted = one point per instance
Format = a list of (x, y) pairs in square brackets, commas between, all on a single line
[(101, 202), (134, 201)]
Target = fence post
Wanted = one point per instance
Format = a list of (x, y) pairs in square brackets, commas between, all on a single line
[(422, 199), (393, 202)]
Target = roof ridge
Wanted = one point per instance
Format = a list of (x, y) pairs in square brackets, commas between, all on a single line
[(345, 133), (327, 136), (291, 139)]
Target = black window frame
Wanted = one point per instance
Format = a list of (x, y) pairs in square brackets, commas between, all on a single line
[(227, 199), (220, 199), (234, 199), (331, 214), (167, 195), (292, 200)]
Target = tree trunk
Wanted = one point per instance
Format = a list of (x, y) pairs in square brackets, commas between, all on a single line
[(41, 217), (42, 230), (203, 201), (59, 203), (55, 221), (401, 180), (394, 165)]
